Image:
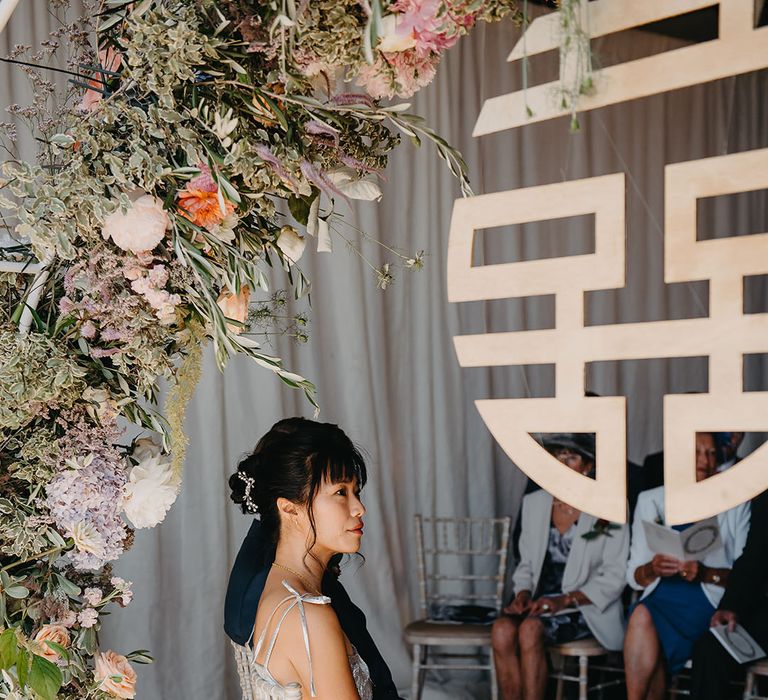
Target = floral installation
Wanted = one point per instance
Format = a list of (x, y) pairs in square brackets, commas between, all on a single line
[(201, 143)]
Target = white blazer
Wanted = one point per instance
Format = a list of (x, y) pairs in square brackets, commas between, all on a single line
[(734, 526), (596, 567)]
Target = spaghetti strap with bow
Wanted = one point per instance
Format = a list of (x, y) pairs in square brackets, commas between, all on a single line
[(256, 680)]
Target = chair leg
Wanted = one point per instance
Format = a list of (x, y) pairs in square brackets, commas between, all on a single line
[(494, 680), (583, 677), (559, 664), (749, 686), (416, 679)]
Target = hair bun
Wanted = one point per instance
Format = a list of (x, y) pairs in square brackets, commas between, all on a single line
[(244, 484)]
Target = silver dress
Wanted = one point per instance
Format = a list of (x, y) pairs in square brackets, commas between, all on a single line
[(257, 682)]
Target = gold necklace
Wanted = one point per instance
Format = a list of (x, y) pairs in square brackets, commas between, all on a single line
[(311, 589)]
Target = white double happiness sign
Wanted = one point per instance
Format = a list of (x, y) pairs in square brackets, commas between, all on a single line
[(725, 336)]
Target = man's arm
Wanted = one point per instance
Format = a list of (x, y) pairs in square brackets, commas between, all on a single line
[(748, 578)]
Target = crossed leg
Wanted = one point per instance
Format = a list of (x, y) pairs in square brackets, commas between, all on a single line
[(643, 658)]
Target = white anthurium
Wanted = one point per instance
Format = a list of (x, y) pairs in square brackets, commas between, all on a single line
[(317, 226), (391, 38), (314, 215), (291, 243), (347, 181), (324, 244)]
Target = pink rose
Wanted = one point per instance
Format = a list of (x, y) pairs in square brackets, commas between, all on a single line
[(57, 634), (115, 675)]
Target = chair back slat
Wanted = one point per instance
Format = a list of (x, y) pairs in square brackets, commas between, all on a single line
[(461, 559)]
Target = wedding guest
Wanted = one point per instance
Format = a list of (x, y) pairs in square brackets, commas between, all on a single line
[(303, 479), (678, 597), (745, 602), (727, 449), (567, 584)]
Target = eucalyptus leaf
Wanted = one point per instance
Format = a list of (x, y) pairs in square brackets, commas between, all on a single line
[(44, 678)]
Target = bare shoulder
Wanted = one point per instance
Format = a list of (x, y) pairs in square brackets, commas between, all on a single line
[(327, 650), (322, 624)]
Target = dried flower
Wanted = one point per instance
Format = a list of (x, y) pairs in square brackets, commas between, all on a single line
[(88, 617), (385, 278)]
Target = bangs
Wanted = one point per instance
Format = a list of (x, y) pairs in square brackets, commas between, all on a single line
[(340, 465)]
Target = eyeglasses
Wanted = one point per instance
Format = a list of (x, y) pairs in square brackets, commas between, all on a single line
[(567, 456)]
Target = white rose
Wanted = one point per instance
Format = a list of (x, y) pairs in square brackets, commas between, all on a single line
[(151, 490), (291, 243), (392, 41), (139, 229)]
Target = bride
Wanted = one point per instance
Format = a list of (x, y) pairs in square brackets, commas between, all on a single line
[(305, 484)]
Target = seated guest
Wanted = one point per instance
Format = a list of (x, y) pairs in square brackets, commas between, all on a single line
[(745, 602), (569, 560), (727, 449), (679, 597)]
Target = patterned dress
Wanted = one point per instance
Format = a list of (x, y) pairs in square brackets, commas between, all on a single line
[(559, 629)]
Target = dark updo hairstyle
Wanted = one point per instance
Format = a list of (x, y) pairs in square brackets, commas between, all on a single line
[(291, 461)]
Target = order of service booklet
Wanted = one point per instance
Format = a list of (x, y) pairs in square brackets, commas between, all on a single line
[(738, 643), (691, 544)]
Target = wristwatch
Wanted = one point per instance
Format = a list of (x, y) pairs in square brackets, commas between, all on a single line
[(715, 578)]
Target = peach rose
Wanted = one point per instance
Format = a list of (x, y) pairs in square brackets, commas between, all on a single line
[(110, 666), (139, 229), (235, 307), (57, 634)]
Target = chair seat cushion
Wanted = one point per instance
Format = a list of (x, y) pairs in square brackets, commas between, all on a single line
[(759, 668), (580, 647), (447, 634)]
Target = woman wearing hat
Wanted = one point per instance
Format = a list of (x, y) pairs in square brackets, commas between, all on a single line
[(567, 584)]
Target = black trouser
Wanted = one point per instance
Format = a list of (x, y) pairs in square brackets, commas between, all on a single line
[(713, 666)]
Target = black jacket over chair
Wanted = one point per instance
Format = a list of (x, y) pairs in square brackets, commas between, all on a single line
[(246, 584), (745, 595)]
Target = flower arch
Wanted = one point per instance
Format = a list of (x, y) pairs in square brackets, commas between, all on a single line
[(201, 143)]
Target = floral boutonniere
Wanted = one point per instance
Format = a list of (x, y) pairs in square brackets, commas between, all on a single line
[(601, 527)]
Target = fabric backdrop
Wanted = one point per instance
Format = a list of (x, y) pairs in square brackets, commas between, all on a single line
[(384, 362)]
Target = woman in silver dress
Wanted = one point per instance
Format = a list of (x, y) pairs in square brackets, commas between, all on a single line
[(304, 482)]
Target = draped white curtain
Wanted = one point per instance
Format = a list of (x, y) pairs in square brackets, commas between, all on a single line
[(384, 362)]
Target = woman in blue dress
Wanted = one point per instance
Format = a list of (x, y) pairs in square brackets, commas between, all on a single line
[(678, 597)]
